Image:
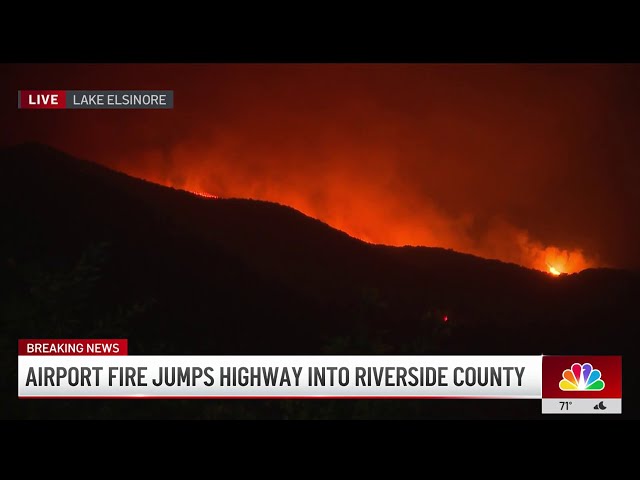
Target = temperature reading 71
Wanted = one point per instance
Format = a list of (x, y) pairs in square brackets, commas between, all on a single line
[(565, 405)]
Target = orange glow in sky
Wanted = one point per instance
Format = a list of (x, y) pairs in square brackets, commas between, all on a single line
[(534, 165), (359, 211)]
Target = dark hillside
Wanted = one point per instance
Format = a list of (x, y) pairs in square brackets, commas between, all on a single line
[(86, 251)]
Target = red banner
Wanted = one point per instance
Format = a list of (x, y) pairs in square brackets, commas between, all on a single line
[(42, 99), (50, 346)]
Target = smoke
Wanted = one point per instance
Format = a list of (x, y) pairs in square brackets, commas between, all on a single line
[(530, 164), (375, 206), (512, 244)]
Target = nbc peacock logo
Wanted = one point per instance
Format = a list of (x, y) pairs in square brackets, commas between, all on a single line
[(581, 377)]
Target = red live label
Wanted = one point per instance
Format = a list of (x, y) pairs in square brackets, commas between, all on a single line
[(50, 346), (42, 99)]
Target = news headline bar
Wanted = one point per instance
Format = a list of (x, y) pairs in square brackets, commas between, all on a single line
[(95, 99), (121, 376), (103, 368)]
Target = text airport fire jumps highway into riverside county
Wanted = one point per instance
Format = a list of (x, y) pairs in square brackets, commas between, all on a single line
[(275, 376)]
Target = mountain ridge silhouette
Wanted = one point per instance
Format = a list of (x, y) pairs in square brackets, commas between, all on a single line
[(88, 251), (72, 203)]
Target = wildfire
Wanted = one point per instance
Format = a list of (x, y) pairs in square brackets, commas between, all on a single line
[(554, 271), (203, 194), (353, 214)]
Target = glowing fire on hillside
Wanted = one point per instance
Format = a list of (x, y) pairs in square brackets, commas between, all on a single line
[(355, 216), (554, 271), (202, 194)]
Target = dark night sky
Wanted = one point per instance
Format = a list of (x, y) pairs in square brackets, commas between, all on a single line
[(525, 163)]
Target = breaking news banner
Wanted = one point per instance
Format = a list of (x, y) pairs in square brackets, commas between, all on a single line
[(102, 368), (95, 99)]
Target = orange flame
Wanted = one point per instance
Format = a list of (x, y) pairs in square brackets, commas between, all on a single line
[(202, 194), (335, 202), (554, 271)]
